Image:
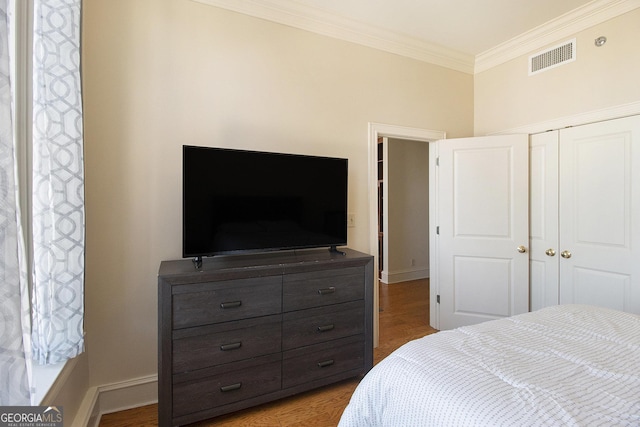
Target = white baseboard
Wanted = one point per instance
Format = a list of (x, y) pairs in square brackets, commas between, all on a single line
[(88, 413), (116, 397), (404, 276)]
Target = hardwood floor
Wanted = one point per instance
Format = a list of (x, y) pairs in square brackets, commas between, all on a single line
[(404, 315)]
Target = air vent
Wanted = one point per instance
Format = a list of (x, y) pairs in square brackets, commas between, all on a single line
[(553, 57)]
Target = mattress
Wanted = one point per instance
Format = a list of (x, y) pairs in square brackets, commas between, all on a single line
[(567, 365)]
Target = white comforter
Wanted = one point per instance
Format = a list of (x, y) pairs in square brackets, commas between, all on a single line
[(567, 365)]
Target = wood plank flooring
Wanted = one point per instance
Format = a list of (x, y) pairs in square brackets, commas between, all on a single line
[(404, 315)]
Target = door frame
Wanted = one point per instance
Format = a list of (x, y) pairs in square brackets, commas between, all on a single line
[(377, 130)]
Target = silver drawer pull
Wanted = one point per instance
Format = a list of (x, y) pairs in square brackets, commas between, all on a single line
[(233, 346), (325, 363), (231, 387), (325, 328), (327, 291), (231, 304)]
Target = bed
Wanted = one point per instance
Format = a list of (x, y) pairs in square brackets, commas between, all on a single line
[(567, 365)]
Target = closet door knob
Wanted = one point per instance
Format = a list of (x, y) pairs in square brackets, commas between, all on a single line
[(521, 249), (565, 254), (550, 252)]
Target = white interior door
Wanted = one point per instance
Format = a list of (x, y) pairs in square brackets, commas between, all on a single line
[(483, 211), (600, 214), (543, 220)]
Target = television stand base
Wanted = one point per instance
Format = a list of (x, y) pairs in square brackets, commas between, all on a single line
[(197, 263), (335, 250)]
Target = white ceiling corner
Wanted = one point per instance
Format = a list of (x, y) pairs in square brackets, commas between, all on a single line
[(304, 14), (554, 31)]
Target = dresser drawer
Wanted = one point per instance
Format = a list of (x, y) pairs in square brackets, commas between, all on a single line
[(204, 346), (315, 325), (321, 360), (319, 288), (229, 383), (206, 303)]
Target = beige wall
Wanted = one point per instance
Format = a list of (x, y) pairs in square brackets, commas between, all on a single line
[(408, 207), (162, 73), (506, 97)]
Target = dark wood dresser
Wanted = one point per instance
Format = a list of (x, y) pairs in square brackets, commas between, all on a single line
[(248, 329)]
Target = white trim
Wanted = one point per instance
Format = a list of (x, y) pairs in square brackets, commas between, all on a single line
[(115, 397), (128, 394), (321, 22), (400, 276), (564, 26), (624, 110), (383, 264), (434, 250), (401, 132), (328, 24), (87, 415)]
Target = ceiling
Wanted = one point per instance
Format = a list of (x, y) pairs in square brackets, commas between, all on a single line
[(465, 35)]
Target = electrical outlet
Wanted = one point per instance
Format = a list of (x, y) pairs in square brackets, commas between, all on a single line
[(351, 220)]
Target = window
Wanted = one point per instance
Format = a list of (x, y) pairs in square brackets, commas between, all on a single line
[(42, 223)]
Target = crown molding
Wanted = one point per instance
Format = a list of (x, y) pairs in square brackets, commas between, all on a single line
[(562, 27), (321, 22)]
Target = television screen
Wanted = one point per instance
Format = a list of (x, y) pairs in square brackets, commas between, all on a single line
[(237, 200)]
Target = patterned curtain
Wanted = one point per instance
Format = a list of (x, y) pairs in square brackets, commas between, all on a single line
[(14, 294), (58, 183)]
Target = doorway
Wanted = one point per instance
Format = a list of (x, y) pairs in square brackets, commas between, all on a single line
[(377, 131), (403, 231)]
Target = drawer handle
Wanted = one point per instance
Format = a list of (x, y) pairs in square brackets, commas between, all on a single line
[(230, 387), (325, 363), (327, 291), (325, 328), (232, 304), (232, 346)]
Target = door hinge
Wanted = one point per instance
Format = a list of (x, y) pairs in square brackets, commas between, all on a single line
[(437, 161), (438, 299), (437, 229)]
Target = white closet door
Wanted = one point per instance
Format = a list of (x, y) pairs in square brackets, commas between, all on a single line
[(543, 220), (600, 214)]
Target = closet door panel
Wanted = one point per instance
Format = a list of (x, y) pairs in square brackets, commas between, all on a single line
[(543, 219), (600, 214)]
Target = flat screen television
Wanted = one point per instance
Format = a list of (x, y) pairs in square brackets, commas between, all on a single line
[(238, 201)]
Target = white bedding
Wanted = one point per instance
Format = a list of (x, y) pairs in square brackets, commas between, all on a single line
[(566, 365)]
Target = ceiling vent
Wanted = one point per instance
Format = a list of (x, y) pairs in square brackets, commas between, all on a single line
[(553, 57)]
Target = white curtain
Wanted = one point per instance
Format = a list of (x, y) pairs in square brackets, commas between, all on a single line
[(58, 183), (14, 296)]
